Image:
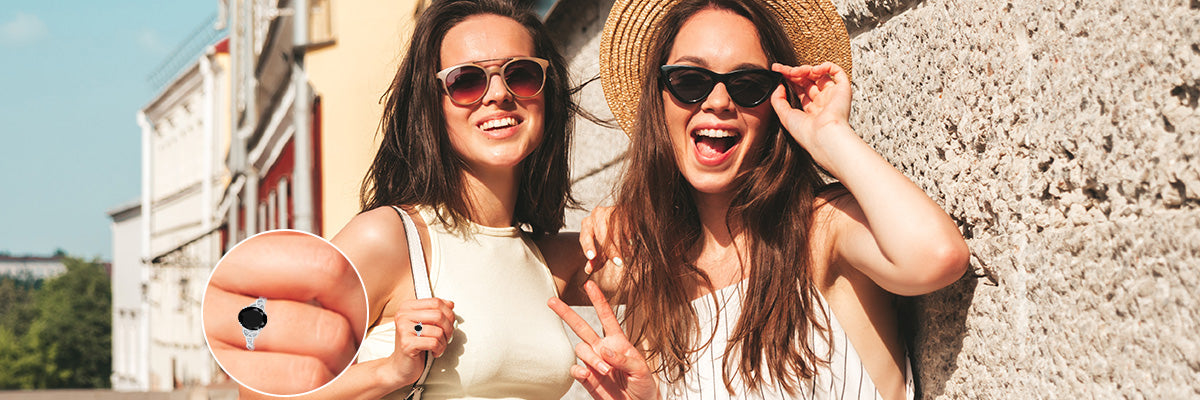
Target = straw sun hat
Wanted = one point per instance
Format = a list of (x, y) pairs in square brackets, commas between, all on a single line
[(814, 27)]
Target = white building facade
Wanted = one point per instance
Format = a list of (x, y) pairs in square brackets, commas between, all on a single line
[(130, 368), (32, 267), (185, 137)]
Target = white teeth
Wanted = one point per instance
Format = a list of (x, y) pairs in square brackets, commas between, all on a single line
[(716, 133), (498, 123)]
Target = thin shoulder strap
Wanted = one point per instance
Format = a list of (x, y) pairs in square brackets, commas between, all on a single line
[(416, 258)]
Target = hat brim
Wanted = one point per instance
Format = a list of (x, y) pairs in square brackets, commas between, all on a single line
[(814, 27)]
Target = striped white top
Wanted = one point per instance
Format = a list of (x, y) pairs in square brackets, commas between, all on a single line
[(844, 378)]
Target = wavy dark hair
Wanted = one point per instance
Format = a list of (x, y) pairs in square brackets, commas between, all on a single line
[(773, 204), (416, 164)]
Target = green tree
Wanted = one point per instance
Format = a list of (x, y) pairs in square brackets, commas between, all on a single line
[(19, 364), (16, 302), (69, 342)]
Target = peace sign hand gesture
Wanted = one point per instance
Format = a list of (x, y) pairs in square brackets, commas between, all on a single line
[(615, 369)]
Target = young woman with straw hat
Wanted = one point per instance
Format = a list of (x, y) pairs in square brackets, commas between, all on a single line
[(743, 273)]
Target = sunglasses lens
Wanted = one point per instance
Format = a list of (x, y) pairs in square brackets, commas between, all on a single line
[(689, 85), (751, 88), (466, 84), (524, 77)]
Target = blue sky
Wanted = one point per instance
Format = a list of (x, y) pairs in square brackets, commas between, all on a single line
[(73, 75)]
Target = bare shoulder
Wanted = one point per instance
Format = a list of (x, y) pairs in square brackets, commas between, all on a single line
[(375, 242), (374, 232)]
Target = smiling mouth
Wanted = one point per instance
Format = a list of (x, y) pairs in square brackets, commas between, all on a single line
[(712, 143), (499, 123)]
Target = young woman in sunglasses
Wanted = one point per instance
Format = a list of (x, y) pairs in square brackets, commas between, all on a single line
[(476, 131), (744, 274)]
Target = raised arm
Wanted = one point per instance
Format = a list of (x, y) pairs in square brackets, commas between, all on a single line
[(889, 229)]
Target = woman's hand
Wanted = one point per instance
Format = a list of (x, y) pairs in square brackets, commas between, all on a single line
[(614, 368), (315, 306), (597, 240), (824, 94), (436, 319)]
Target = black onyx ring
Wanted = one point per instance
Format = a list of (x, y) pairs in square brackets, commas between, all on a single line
[(418, 328), (253, 318)]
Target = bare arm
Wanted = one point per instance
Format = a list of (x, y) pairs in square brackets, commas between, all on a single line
[(370, 380), (565, 260), (890, 229)]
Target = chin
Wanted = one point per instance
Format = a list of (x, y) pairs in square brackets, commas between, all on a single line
[(505, 159), (712, 184)]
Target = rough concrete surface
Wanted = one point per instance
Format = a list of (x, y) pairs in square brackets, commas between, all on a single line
[(1064, 138)]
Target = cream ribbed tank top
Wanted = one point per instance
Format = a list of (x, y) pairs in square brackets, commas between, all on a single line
[(844, 378), (507, 343)]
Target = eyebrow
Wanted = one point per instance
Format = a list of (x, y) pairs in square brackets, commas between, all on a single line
[(701, 62), (487, 62)]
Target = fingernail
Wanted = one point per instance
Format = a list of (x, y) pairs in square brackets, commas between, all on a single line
[(587, 269), (603, 367), (591, 254), (618, 261)]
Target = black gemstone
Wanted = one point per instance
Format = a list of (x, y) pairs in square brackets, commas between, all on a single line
[(252, 318)]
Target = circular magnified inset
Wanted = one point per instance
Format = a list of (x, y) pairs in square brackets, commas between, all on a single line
[(284, 312)]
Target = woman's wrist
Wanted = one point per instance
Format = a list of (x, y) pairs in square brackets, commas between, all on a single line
[(389, 376), (836, 146)]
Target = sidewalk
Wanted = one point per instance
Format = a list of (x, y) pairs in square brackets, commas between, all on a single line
[(215, 392)]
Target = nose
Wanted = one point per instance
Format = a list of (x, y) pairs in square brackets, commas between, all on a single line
[(496, 91), (718, 100)]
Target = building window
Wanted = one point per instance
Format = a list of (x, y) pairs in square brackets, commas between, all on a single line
[(320, 22), (183, 293)]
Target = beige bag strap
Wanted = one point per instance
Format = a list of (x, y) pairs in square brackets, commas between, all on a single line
[(421, 285)]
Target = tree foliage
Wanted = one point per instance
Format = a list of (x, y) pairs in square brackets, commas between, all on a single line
[(16, 302), (58, 336)]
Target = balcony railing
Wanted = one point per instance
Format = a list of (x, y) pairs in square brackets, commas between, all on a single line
[(186, 52)]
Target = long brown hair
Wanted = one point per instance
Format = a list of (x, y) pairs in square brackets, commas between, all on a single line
[(416, 164), (773, 204)]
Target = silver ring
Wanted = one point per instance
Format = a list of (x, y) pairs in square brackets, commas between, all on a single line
[(418, 328)]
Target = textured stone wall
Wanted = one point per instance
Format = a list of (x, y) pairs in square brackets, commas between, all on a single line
[(598, 147), (1064, 138)]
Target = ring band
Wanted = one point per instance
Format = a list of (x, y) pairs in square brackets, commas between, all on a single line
[(418, 328)]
